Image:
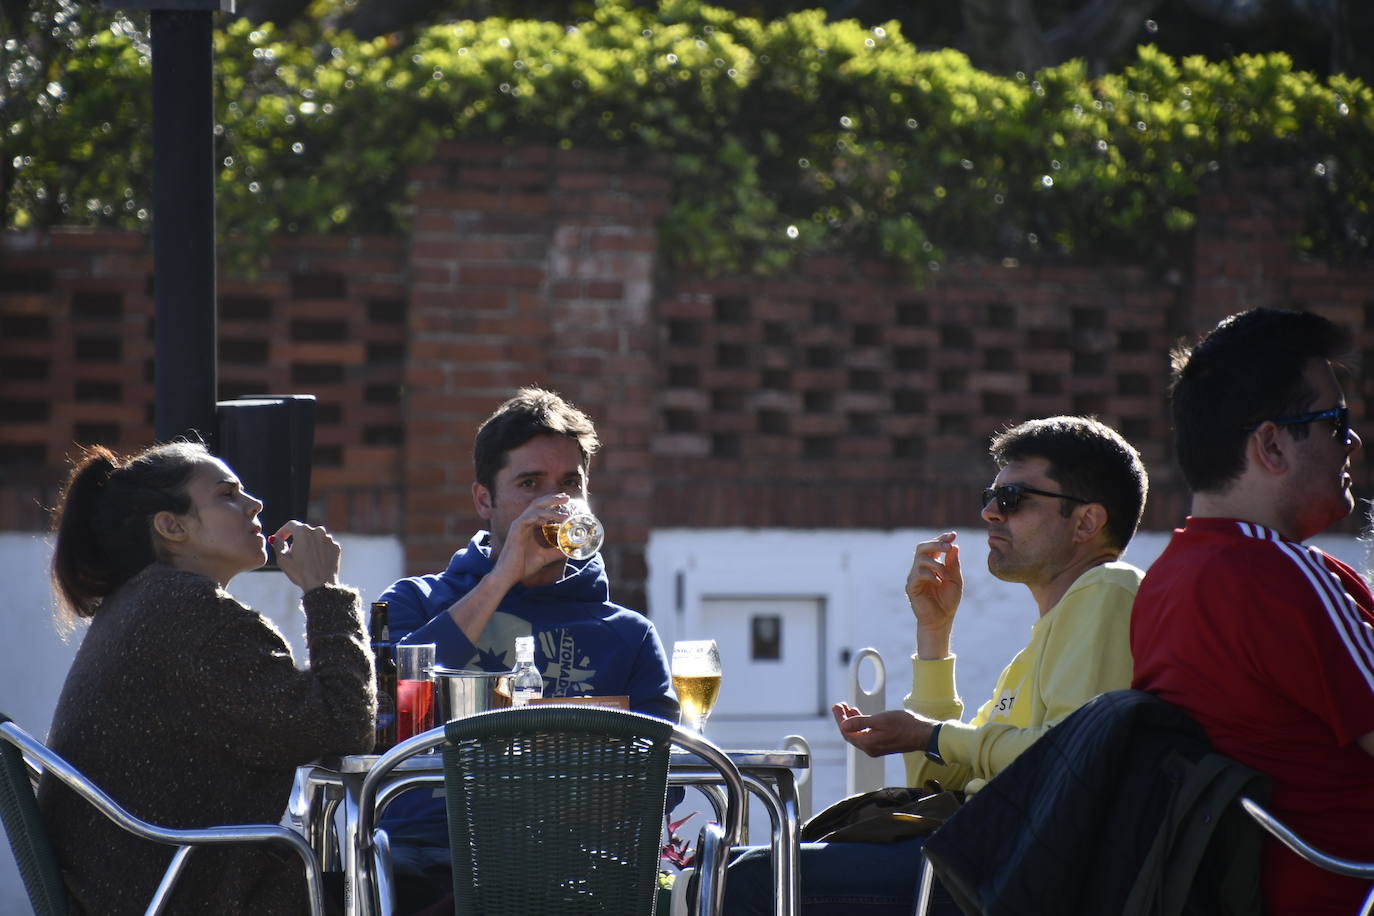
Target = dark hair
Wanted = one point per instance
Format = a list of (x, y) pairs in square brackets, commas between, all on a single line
[(103, 521), (1089, 460), (532, 412), (1246, 370)]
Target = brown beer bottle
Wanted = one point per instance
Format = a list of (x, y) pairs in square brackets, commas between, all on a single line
[(384, 658)]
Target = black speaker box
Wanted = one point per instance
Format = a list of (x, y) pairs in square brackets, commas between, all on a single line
[(267, 441)]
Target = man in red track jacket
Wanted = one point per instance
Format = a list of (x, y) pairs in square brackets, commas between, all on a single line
[(1266, 642)]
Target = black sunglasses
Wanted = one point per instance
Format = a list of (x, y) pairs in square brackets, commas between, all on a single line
[(1340, 417), (1009, 497)]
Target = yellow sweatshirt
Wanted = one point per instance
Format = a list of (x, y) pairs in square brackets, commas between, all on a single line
[(1081, 648)]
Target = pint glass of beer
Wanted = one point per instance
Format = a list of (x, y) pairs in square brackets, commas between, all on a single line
[(696, 679)]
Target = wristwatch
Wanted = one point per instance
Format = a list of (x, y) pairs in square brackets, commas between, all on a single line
[(933, 746)]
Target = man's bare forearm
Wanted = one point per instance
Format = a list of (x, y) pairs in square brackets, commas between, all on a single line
[(473, 611)]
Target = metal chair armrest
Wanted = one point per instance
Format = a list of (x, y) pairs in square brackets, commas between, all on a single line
[(927, 884), (381, 869), (187, 839), (381, 768), (1294, 842), (712, 859), (373, 886), (735, 797)]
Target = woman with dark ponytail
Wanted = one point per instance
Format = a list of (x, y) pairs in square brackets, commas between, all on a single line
[(183, 704)]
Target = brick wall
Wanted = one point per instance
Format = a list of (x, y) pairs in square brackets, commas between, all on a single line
[(324, 317), (531, 266), (838, 396), (845, 398)]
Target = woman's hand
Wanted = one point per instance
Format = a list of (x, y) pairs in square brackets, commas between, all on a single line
[(307, 554)]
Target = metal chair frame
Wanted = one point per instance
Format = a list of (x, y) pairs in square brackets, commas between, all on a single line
[(1287, 837), (924, 888), (373, 854), (372, 857), (37, 755)]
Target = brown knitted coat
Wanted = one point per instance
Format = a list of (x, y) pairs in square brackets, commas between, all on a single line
[(188, 709)]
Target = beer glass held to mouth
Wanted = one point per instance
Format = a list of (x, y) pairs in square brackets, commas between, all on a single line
[(696, 679), (579, 534)]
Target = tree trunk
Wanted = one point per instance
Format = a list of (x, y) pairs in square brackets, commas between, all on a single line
[(1102, 32), (1352, 38), (277, 11), (1005, 36)]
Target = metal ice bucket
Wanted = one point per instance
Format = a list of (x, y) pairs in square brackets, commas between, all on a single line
[(463, 692)]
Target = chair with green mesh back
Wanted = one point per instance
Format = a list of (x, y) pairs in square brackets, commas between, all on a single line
[(559, 809), (27, 834), (22, 757)]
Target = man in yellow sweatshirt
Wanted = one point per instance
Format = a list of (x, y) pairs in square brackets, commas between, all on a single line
[(1067, 498)]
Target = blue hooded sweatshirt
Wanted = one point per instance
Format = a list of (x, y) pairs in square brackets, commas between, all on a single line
[(584, 645)]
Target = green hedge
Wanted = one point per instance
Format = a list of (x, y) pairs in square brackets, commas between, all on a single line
[(785, 137)]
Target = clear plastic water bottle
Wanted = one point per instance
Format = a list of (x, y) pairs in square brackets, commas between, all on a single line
[(526, 683)]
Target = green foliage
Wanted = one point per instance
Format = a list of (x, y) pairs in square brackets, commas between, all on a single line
[(785, 138), (74, 109)]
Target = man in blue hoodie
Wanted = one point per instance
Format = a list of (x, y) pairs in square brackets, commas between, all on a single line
[(531, 457)]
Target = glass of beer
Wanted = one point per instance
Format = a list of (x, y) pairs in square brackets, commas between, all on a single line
[(579, 534), (696, 679)]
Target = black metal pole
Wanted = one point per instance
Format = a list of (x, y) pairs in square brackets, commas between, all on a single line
[(186, 366)]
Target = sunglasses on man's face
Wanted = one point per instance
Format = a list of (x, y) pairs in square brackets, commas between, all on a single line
[(1010, 495), (1339, 417)]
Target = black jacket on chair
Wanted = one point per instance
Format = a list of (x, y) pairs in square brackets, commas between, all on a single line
[(1113, 811)]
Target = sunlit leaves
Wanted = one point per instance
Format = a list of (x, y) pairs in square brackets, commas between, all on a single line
[(784, 138)]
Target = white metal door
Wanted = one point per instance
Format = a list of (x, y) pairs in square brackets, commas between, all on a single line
[(772, 652)]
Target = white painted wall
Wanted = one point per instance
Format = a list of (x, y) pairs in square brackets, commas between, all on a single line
[(859, 574)]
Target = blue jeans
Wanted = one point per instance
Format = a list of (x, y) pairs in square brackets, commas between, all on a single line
[(837, 879), (422, 875)]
